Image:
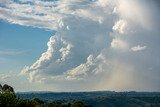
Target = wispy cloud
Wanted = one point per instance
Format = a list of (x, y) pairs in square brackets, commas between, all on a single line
[(12, 52), (4, 77), (138, 48)]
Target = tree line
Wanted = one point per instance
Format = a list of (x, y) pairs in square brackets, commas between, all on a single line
[(8, 98)]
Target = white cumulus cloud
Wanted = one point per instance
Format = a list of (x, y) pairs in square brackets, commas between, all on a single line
[(120, 26), (87, 34), (119, 44)]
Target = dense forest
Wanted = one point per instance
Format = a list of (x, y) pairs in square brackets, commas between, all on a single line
[(8, 98)]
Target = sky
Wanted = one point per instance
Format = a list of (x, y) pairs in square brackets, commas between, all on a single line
[(80, 45)]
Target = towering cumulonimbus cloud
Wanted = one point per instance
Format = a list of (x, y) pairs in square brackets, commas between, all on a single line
[(95, 42)]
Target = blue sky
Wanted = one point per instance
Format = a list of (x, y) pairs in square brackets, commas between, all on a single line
[(20, 46), (87, 45)]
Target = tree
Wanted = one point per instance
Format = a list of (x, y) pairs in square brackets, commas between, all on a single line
[(7, 100), (7, 89), (37, 101), (0, 88), (77, 104)]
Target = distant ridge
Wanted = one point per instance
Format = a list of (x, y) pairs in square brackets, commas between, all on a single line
[(113, 92), (48, 95)]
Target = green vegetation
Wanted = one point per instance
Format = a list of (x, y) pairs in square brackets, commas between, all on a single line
[(8, 98), (126, 100), (6, 89)]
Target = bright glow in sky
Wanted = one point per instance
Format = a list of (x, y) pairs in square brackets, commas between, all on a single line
[(80, 45)]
